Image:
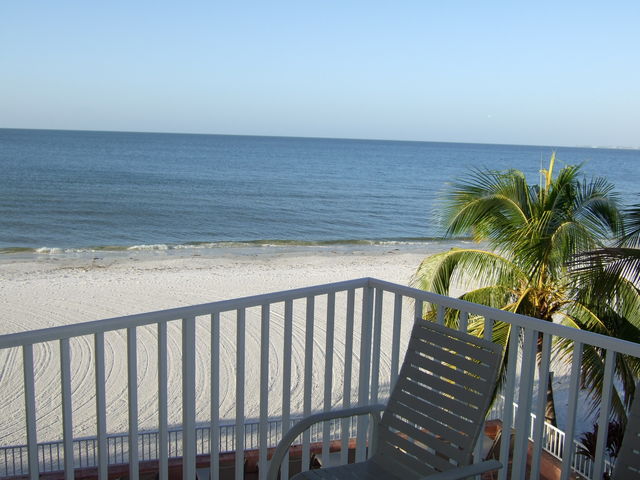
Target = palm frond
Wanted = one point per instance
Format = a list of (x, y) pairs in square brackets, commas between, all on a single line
[(464, 269)]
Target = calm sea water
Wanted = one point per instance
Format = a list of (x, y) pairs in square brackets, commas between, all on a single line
[(95, 190)]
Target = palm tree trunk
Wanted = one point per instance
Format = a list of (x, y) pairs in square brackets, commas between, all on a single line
[(550, 409)]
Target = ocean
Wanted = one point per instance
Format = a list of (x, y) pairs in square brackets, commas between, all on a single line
[(66, 191)]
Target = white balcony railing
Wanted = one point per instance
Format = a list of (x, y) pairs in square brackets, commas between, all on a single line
[(354, 335)]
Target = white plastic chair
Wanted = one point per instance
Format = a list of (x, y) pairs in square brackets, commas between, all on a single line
[(434, 417)]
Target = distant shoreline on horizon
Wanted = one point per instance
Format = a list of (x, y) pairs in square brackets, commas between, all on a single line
[(449, 142)]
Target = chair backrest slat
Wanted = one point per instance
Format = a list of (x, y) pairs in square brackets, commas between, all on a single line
[(464, 376), (417, 456), (426, 437), (455, 392), (438, 406), (447, 424), (465, 344)]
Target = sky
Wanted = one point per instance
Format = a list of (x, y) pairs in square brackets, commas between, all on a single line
[(538, 73)]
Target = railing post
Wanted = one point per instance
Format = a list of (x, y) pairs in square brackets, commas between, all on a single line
[(67, 412), (574, 387), (348, 364), (395, 342), (308, 373), (30, 410), (239, 428), (377, 338), (524, 404), (163, 448), (286, 380), (507, 417), (328, 373), (365, 369), (605, 406), (264, 390), (189, 398), (539, 424), (418, 309), (463, 322), (132, 377), (375, 357), (214, 426)]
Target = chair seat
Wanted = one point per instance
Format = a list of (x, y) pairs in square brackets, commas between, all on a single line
[(368, 470)]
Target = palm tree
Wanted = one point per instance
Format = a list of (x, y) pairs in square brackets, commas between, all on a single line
[(588, 440), (617, 264), (610, 284), (531, 231)]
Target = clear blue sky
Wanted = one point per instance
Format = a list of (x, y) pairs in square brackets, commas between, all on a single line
[(550, 73)]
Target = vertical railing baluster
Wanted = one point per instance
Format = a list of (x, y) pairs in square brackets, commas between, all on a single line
[(264, 390), (308, 378), (67, 415), (463, 322), (605, 407), (574, 387), (418, 309), (488, 335), (541, 405), (286, 380), (239, 430), (395, 340), (101, 407), (440, 315), (328, 373), (214, 425), (30, 411), (523, 420), (507, 417), (365, 369), (375, 356), (163, 388), (189, 397), (132, 377), (348, 366), (377, 339), (488, 329)]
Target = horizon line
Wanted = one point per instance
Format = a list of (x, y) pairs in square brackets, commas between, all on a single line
[(599, 147)]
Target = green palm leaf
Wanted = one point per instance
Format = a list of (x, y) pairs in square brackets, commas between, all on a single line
[(533, 232)]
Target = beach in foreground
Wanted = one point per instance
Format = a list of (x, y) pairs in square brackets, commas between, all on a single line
[(50, 290), (42, 291)]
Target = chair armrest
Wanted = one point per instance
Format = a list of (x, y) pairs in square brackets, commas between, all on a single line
[(465, 472), (305, 423)]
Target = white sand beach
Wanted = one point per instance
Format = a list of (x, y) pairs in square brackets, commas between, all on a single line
[(51, 290)]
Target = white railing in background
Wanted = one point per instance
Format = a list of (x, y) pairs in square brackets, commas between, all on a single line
[(553, 441), (377, 316), (51, 454), (13, 460)]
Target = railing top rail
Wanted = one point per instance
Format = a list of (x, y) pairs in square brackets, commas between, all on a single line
[(556, 329), (149, 318)]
